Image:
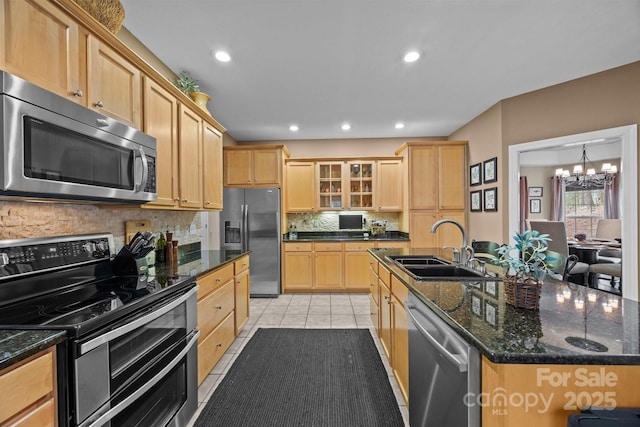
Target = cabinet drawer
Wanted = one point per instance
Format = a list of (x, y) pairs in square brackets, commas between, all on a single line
[(358, 246), (394, 244), (399, 289), (328, 247), (384, 274), (43, 415), (214, 280), (298, 247), (26, 384), (214, 308), (214, 346), (241, 265)]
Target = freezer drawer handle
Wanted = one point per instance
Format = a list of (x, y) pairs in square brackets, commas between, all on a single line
[(455, 359)]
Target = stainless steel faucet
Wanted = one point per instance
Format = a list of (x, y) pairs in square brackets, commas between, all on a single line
[(466, 252)]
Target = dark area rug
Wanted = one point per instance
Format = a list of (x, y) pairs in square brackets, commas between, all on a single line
[(305, 377)]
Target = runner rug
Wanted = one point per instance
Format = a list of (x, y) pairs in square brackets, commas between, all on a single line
[(305, 377)]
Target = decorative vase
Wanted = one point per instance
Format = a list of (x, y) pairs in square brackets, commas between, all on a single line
[(201, 100), (522, 291), (109, 13)]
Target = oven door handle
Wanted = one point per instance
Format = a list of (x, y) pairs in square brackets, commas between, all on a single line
[(104, 418), (129, 327)]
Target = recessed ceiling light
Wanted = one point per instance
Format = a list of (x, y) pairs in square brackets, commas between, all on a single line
[(345, 126), (411, 56), (293, 128), (399, 125), (222, 56)]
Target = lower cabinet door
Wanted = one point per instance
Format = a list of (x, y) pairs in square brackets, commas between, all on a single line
[(212, 348)]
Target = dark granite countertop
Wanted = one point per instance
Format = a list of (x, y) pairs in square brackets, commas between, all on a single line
[(504, 334), (17, 345), (199, 262), (342, 236)]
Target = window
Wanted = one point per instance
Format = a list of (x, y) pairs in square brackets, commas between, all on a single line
[(583, 207)]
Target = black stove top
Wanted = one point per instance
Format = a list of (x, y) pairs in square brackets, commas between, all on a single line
[(80, 299)]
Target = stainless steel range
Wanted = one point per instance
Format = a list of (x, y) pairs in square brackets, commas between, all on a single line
[(130, 358)]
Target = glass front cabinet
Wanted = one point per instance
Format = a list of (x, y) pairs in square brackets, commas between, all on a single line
[(361, 179), (330, 191)]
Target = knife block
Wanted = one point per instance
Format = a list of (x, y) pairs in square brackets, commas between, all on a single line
[(124, 264)]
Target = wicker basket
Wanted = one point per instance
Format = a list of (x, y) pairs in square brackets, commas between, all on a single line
[(522, 292), (378, 230), (109, 13)]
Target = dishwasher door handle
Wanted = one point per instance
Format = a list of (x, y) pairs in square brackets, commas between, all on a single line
[(454, 359)]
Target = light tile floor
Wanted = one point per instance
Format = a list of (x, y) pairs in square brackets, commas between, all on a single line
[(316, 311)]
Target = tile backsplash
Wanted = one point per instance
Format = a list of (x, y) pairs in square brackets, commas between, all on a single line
[(37, 219), (328, 221)]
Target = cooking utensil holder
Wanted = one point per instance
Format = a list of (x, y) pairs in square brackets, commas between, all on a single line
[(125, 264)]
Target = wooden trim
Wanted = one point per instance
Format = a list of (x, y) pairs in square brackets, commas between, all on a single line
[(427, 143)]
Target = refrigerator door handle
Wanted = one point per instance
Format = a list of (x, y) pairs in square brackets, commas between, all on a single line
[(245, 225), (243, 230)]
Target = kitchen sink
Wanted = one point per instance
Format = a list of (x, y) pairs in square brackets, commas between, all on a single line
[(418, 260), (455, 272), (433, 268)]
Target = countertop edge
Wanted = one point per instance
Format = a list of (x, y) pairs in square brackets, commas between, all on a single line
[(26, 344)]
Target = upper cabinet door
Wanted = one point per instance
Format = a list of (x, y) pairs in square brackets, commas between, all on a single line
[(114, 84), (423, 177), (267, 166), (161, 122), (41, 44), (190, 154), (452, 176), (212, 168), (237, 167), (300, 186), (389, 186)]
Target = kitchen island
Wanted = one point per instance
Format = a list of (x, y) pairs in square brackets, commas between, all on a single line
[(580, 349)]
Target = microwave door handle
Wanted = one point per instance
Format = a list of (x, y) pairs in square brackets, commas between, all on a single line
[(145, 170)]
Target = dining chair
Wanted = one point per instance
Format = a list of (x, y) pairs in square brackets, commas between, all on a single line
[(558, 234), (485, 248), (609, 269), (560, 265), (610, 229)]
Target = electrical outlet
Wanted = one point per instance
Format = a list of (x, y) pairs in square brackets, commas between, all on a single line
[(192, 229)]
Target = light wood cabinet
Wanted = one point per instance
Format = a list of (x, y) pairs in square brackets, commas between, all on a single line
[(437, 182), (45, 46), (297, 266), (446, 235), (211, 167), (330, 185), (360, 187), (300, 186), (327, 263), (223, 308), (190, 158), (242, 288), (374, 293), (30, 397), (385, 316), (388, 188), (356, 266), (400, 336), (161, 121), (114, 84), (254, 166)]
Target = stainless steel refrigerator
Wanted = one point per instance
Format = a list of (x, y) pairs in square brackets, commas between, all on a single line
[(250, 220)]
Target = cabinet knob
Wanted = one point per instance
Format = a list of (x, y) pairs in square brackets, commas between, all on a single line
[(78, 93), (185, 200), (99, 104), (207, 202), (219, 307), (177, 199), (218, 279)]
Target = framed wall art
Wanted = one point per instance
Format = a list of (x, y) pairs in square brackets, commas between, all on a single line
[(475, 203), (490, 170), (535, 206), (535, 191), (491, 199), (475, 174)]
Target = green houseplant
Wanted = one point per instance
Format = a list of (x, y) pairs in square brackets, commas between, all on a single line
[(186, 83), (525, 264)]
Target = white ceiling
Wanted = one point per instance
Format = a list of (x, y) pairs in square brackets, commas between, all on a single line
[(319, 63)]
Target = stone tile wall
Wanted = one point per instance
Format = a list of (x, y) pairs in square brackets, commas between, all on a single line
[(328, 221), (37, 219)]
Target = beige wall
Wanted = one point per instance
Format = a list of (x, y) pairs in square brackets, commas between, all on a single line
[(485, 142)]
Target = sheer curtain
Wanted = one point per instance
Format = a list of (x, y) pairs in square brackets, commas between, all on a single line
[(557, 205), (524, 203), (612, 199)]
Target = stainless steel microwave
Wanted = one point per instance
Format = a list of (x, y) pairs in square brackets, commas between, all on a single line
[(55, 148)]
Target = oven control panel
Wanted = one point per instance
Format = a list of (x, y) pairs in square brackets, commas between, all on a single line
[(25, 256)]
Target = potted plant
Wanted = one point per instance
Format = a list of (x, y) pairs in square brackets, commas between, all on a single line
[(524, 264), (190, 87)]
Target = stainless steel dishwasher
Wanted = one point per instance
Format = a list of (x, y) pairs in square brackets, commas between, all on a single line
[(443, 369)]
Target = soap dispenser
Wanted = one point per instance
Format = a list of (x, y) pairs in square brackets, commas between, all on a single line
[(293, 232)]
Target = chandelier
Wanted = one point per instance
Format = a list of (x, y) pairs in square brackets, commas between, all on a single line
[(584, 173)]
